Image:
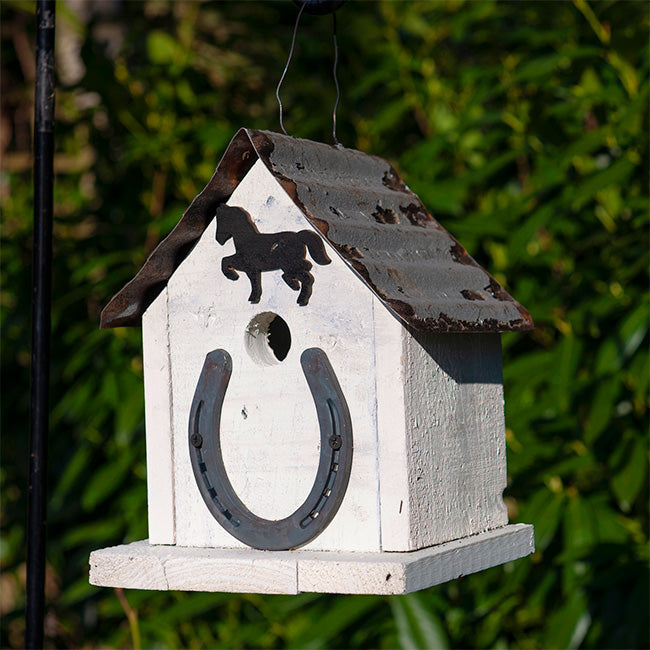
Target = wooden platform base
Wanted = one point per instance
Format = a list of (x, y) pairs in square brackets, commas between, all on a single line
[(144, 566)]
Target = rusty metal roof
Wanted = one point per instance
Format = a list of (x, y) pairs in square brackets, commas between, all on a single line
[(360, 206)]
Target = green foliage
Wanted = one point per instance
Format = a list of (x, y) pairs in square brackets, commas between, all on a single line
[(522, 126)]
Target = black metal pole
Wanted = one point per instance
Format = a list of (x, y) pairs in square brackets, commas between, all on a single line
[(41, 286)]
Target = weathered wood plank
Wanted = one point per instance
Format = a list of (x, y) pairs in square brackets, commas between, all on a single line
[(146, 566), (395, 503), (158, 422), (221, 570), (133, 566), (455, 426), (143, 566), (469, 555)]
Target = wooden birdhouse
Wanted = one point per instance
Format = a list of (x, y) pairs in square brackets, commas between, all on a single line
[(323, 389)]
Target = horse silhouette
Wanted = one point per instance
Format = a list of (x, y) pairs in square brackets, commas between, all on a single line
[(258, 252)]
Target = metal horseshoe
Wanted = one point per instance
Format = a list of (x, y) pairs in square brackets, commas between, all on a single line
[(334, 466)]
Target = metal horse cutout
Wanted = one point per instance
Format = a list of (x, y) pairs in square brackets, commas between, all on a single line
[(257, 252)]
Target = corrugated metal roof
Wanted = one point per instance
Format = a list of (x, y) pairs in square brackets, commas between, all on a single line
[(362, 208)]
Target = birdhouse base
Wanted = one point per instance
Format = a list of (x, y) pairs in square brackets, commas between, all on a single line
[(141, 565)]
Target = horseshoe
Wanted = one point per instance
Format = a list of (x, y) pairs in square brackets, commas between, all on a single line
[(334, 466)]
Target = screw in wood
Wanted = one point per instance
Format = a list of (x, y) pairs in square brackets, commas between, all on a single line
[(335, 442)]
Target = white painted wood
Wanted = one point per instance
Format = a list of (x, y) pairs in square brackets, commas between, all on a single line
[(157, 391), (143, 566), (395, 503), (353, 573), (270, 435), (456, 451), (218, 570), (469, 555), (442, 463), (401, 573), (133, 566)]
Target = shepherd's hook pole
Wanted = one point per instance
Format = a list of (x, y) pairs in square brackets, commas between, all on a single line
[(41, 287)]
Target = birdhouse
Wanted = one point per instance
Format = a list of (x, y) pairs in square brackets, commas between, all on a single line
[(323, 387)]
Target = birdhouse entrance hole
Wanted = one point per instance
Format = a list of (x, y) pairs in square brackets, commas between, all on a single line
[(268, 339)]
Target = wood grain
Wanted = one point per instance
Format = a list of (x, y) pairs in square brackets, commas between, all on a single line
[(158, 421), (456, 446), (144, 566)]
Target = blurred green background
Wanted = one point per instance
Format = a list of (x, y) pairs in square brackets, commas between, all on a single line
[(522, 126)]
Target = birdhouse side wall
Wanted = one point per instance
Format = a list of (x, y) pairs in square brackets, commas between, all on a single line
[(456, 450)]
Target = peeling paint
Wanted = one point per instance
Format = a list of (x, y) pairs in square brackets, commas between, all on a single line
[(496, 290), (352, 251), (417, 214), (385, 215), (420, 272), (392, 181), (460, 255), (468, 294)]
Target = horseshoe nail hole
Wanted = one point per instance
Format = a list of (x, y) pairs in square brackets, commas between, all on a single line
[(268, 339)]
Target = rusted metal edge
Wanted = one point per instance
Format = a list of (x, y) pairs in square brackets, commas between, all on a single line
[(128, 305)]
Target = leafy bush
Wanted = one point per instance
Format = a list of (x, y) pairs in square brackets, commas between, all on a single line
[(522, 126)]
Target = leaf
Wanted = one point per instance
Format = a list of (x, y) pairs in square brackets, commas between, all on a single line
[(544, 511), (162, 47), (616, 350), (569, 624), (105, 481), (625, 71), (345, 610), (580, 533), (611, 526), (539, 67), (95, 533), (78, 591), (634, 329), (405, 636), (417, 627), (568, 352), (421, 626), (627, 483), (77, 466), (616, 173), (601, 409)]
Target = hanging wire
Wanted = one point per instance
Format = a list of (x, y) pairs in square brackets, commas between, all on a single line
[(336, 80), (304, 4), (286, 67)]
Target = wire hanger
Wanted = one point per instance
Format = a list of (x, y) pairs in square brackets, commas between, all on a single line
[(315, 7)]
